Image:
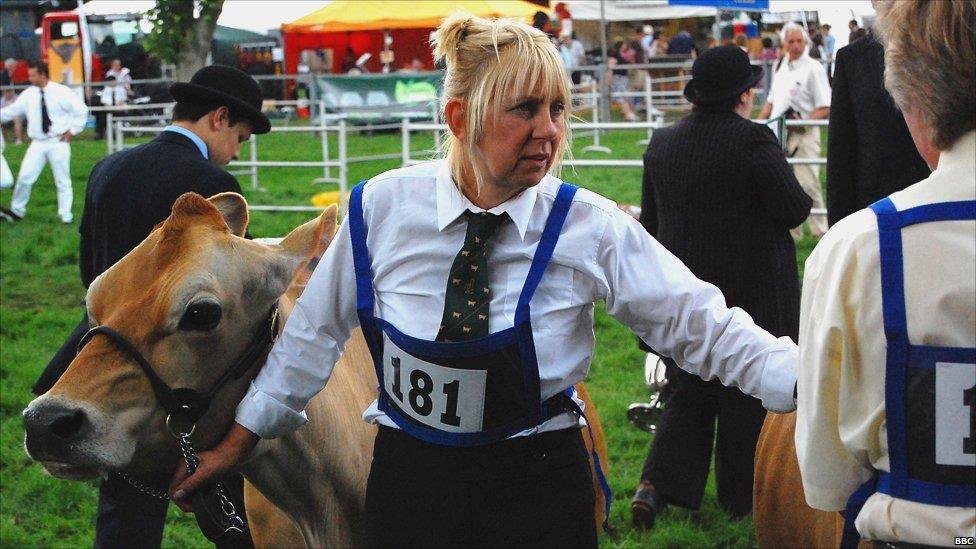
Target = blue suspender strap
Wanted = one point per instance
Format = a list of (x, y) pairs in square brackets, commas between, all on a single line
[(597, 465), (896, 333), (851, 538), (360, 254), (543, 253)]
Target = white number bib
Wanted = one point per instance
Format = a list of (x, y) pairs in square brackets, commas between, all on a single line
[(953, 413), (448, 399)]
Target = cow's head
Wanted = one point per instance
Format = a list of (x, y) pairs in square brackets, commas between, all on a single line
[(189, 298)]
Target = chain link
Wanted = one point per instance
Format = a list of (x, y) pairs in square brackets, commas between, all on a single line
[(144, 488), (192, 462)]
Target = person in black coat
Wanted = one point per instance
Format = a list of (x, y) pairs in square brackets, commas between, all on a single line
[(871, 153), (719, 194), (128, 194)]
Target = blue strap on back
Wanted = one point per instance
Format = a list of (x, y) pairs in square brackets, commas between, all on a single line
[(543, 252), (897, 482)]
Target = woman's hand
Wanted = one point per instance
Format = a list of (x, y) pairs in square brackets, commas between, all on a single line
[(231, 451)]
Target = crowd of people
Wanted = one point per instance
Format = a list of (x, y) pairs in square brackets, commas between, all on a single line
[(481, 271)]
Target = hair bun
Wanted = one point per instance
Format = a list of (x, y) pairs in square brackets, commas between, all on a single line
[(448, 37)]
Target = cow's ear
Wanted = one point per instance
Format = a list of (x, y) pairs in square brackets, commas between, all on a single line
[(233, 208), (309, 241)]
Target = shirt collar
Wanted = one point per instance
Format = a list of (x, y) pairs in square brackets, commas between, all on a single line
[(191, 136), (451, 203)]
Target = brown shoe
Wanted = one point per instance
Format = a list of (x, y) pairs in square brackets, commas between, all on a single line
[(644, 508)]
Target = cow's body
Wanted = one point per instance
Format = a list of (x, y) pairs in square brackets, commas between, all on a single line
[(101, 416), (782, 516)]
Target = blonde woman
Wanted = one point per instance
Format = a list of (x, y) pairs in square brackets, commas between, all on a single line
[(886, 427), (474, 280)]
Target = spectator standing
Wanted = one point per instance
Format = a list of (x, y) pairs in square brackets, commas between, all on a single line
[(54, 115), (855, 31), (829, 45), (800, 91), (884, 426), (123, 81), (622, 54), (573, 54), (9, 96), (128, 194), (682, 44), (769, 53), (871, 153), (712, 170), (659, 46)]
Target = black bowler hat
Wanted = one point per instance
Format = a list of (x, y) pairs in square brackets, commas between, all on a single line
[(721, 73), (228, 86)]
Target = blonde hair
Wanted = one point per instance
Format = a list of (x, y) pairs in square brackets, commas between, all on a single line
[(491, 61), (930, 65)]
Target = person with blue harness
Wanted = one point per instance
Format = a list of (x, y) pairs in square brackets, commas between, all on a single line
[(886, 418), (474, 280)]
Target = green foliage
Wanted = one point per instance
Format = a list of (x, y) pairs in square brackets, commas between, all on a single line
[(173, 22), (41, 300)]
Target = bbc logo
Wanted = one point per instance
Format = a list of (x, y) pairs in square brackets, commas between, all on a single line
[(964, 540)]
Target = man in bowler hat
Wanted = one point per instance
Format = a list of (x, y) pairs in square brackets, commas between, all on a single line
[(129, 193)]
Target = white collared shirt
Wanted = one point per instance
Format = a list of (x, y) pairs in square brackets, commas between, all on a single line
[(415, 229), (65, 109), (800, 84), (841, 436)]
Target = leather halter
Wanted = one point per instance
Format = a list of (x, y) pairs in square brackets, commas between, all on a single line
[(185, 403)]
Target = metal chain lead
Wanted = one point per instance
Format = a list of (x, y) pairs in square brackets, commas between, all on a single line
[(144, 488), (192, 462)]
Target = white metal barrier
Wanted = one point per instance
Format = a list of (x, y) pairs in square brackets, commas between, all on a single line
[(252, 164)]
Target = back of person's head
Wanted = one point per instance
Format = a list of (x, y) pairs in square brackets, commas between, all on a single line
[(767, 42), (39, 66), (191, 111), (740, 40), (490, 63), (539, 20), (930, 64)]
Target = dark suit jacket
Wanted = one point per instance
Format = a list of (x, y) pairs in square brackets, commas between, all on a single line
[(719, 194), (871, 153), (128, 194)]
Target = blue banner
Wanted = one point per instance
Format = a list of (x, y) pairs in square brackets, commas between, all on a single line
[(749, 5)]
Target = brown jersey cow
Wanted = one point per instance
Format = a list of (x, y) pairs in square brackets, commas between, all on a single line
[(102, 415)]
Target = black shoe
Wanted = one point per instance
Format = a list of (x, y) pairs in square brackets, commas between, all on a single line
[(644, 508), (9, 216)]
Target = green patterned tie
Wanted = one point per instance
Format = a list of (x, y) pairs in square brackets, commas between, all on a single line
[(468, 294)]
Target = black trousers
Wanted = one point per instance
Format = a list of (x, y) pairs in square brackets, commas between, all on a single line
[(681, 453), (128, 518), (527, 491)]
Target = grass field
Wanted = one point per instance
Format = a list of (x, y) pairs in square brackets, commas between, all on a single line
[(41, 301)]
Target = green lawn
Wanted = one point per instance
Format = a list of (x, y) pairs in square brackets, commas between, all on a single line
[(41, 301)]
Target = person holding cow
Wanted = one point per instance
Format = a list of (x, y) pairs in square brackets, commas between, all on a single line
[(886, 422), (474, 280), (128, 194)]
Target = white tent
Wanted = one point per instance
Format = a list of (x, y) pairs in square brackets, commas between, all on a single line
[(836, 13), (633, 10), (240, 14)]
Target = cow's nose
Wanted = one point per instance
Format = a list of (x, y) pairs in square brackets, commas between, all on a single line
[(51, 427)]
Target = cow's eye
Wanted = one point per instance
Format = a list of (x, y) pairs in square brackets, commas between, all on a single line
[(201, 316)]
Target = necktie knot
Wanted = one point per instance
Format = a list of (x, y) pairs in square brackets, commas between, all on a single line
[(481, 226)]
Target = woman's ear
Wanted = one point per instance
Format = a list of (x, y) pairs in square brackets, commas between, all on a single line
[(454, 112)]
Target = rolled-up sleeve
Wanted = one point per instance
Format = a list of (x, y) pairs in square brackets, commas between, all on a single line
[(301, 361), (658, 297)]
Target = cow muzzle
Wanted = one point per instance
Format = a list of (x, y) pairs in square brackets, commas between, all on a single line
[(64, 437)]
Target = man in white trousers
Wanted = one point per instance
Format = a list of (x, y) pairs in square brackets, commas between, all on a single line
[(54, 115)]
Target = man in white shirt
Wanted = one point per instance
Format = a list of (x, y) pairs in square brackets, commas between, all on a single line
[(54, 115), (800, 91)]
